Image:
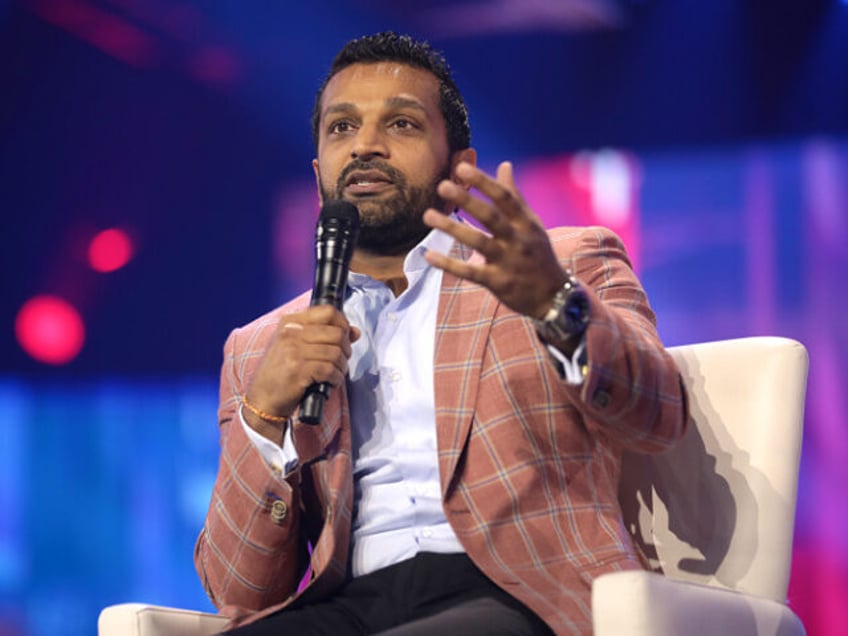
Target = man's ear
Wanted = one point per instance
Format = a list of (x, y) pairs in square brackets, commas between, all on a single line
[(317, 182), (468, 155)]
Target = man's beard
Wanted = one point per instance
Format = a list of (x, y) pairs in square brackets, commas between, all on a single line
[(390, 226)]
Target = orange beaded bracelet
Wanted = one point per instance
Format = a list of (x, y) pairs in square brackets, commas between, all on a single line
[(268, 417)]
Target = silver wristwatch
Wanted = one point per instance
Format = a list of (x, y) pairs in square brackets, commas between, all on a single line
[(569, 315)]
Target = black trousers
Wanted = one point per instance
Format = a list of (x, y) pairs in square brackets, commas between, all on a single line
[(430, 594)]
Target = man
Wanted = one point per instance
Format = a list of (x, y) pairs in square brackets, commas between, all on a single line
[(464, 476)]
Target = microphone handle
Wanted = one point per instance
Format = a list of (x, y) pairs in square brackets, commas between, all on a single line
[(312, 403), (338, 228), (331, 281)]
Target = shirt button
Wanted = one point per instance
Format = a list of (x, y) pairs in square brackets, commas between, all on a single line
[(426, 532), (395, 376), (279, 510)]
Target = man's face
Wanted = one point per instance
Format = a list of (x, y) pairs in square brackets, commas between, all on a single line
[(383, 146)]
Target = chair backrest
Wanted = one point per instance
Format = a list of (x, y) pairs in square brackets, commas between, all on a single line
[(719, 508)]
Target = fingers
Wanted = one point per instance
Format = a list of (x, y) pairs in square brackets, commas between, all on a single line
[(519, 260), (309, 346), (491, 215), (475, 273), (464, 233), (505, 211), (505, 176), (318, 315), (505, 215), (318, 336), (500, 190), (319, 325)]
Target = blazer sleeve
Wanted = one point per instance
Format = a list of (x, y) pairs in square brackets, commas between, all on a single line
[(249, 554), (633, 393)]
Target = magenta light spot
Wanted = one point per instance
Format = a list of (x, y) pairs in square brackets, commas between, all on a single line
[(214, 65), (110, 250), (98, 27), (50, 330)]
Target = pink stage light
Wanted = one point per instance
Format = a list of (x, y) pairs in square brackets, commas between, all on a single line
[(588, 188), (50, 330), (109, 33), (110, 250)]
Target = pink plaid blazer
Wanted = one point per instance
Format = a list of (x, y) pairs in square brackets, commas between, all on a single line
[(529, 465)]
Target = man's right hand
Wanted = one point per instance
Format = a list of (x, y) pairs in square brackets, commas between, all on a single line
[(309, 346)]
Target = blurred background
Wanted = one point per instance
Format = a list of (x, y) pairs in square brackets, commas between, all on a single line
[(156, 191)]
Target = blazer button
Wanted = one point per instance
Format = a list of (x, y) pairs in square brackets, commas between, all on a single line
[(601, 399), (279, 510)]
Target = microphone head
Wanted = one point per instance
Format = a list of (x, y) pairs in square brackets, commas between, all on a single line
[(344, 212)]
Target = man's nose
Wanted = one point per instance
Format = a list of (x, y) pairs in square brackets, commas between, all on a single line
[(369, 142)]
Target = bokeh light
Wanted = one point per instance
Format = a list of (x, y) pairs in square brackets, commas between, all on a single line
[(50, 330), (110, 250)]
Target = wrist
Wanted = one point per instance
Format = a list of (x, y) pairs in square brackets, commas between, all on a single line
[(270, 425), (567, 318), (556, 285)]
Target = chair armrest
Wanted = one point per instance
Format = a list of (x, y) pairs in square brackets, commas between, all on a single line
[(637, 603), (138, 619)]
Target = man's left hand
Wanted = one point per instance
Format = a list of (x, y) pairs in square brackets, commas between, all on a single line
[(521, 269)]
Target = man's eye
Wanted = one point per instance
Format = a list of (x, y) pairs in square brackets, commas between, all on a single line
[(403, 124), (340, 127)]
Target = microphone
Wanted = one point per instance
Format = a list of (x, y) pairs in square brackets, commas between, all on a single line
[(335, 238)]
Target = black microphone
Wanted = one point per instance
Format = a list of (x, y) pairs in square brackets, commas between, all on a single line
[(335, 238)]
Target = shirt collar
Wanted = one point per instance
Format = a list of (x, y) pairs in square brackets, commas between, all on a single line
[(436, 240), (415, 262)]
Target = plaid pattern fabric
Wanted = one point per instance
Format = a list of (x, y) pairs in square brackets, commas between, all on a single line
[(529, 465)]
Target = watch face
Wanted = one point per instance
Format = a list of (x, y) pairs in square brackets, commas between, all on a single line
[(576, 312), (571, 307)]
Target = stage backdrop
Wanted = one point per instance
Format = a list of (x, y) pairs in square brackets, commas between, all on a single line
[(104, 481), (156, 191)]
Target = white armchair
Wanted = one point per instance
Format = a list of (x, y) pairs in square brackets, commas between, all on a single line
[(715, 515), (139, 619)]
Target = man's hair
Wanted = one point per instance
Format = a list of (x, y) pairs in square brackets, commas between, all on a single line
[(388, 46)]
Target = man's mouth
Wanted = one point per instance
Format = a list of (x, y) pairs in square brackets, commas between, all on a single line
[(367, 182)]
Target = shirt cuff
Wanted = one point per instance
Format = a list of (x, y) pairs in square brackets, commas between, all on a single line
[(573, 369), (281, 459)]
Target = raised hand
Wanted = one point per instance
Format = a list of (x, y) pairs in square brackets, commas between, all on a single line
[(521, 268)]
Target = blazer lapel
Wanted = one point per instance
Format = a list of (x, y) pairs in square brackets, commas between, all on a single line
[(463, 323)]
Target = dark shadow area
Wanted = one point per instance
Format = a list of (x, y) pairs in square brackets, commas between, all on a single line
[(703, 509)]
